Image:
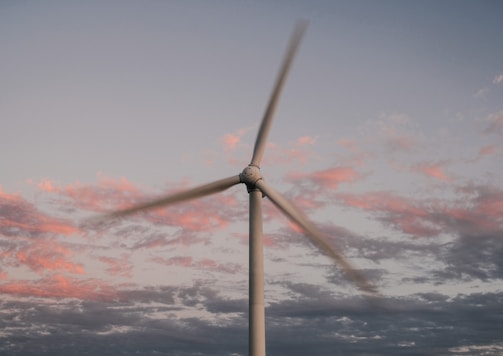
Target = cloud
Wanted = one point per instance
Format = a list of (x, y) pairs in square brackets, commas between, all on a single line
[(357, 156), (433, 170), (115, 194), (498, 79), (481, 93), (480, 212), (392, 128), (488, 150), (231, 140), (299, 151), (46, 185), (473, 222), (398, 141), (309, 191), (306, 140), (108, 194), (494, 123), (180, 261), (59, 286), (206, 264), (199, 319), (161, 240), (21, 218), (202, 215), (46, 255), (327, 178), (118, 266)]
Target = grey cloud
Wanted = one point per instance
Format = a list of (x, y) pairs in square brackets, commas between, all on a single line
[(314, 321)]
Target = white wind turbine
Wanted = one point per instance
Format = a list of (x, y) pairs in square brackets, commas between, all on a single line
[(257, 189)]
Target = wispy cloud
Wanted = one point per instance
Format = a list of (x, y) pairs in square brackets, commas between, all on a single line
[(481, 93), (328, 178), (479, 212), (205, 264), (306, 140), (403, 214), (115, 194), (118, 266), (494, 123), (498, 79), (433, 170), (392, 131), (231, 140), (59, 286), (489, 150), (21, 218), (299, 151), (108, 194), (44, 255), (486, 151)]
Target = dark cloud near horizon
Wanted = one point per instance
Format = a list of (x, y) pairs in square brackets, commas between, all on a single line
[(315, 322)]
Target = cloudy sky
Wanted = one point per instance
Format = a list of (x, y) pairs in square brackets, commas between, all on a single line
[(389, 135)]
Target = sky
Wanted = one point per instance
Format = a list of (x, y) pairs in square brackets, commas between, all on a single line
[(388, 135)]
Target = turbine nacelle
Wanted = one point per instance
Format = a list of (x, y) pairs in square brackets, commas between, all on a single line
[(250, 176)]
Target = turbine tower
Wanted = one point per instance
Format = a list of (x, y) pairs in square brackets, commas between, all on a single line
[(257, 189)]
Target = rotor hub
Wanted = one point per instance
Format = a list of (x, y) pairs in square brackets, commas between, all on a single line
[(250, 175)]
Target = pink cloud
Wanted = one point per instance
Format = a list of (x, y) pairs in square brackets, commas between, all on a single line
[(433, 170), (306, 140), (47, 186), (197, 215), (118, 266), (300, 151), (479, 212), (231, 140), (110, 194), (334, 176), (44, 255), (488, 150), (328, 178), (401, 213), (19, 216), (58, 286), (349, 144), (307, 201), (190, 219)]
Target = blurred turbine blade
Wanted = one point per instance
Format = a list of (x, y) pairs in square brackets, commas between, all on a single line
[(316, 236), (265, 126), (198, 192)]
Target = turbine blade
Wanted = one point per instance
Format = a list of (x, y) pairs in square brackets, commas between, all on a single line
[(316, 236), (194, 193), (265, 126)]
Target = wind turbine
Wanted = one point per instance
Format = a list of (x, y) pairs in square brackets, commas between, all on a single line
[(257, 189)]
